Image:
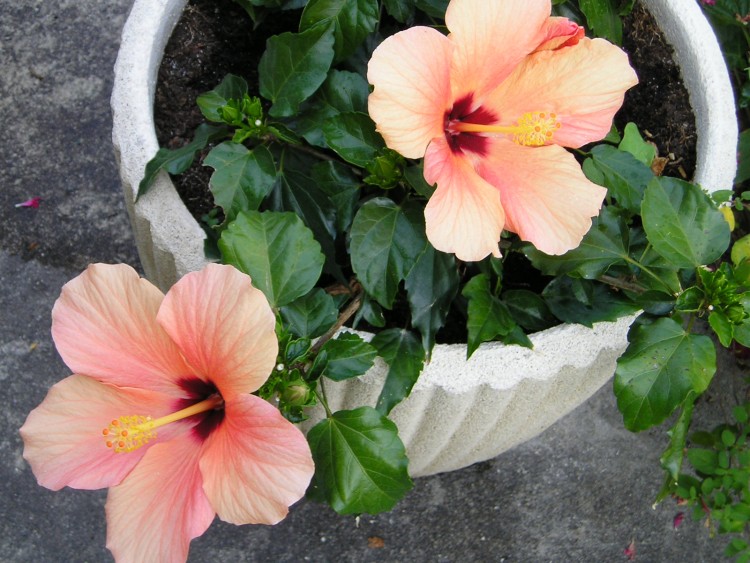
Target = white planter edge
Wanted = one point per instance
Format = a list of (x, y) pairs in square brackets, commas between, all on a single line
[(459, 412)]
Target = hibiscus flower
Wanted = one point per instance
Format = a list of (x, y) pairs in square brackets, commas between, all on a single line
[(490, 108), (159, 408)]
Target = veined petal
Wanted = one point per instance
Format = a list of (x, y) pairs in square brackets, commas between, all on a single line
[(155, 512), (410, 73), (490, 38), (560, 32), (63, 439), (584, 85), (547, 199), (104, 326), (224, 327), (256, 464), (464, 216)]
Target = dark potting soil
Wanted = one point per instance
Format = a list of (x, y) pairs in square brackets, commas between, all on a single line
[(216, 37)]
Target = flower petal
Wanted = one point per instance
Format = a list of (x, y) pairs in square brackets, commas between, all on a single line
[(584, 85), (560, 32), (464, 215), (224, 327), (547, 199), (155, 512), (490, 39), (104, 326), (256, 464), (410, 73), (63, 439)]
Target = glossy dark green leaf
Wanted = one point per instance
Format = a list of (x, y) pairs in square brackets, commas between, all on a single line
[(414, 176), (683, 224), (311, 315), (489, 317), (604, 245), (585, 302), (434, 8), (232, 87), (293, 68), (703, 461), (241, 178), (662, 365), (528, 309), (342, 187), (342, 92), (624, 176), (743, 166), (430, 288), (400, 10), (351, 20), (178, 160), (297, 191), (405, 357), (278, 252), (386, 241), (352, 135), (344, 357), (360, 462)]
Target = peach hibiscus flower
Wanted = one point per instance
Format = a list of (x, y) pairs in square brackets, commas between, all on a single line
[(159, 408), (490, 108)]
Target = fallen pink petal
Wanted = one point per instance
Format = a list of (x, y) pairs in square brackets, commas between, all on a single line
[(159, 408), (629, 551), (491, 108), (33, 202), (679, 517)]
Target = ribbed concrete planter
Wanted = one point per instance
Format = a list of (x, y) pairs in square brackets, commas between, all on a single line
[(459, 412)]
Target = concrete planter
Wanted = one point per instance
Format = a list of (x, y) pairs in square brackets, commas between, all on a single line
[(459, 412)]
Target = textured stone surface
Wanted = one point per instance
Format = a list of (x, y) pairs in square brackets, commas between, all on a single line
[(578, 492)]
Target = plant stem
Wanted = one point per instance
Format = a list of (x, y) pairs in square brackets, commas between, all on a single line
[(343, 317), (622, 284), (322, 398)]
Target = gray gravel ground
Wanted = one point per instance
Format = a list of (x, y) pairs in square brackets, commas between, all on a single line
[(579, 492)]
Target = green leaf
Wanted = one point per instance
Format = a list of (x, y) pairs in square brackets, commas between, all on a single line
[(633, 143), (231, 88), (430, 288), (344, 357), (662, 365), (293, 68), (178, 160), (276, 250), (342, 92), (683, 224), (434, 8), (360, 462), (386, 241), (405, 358), (352, 21), (703, 461), (672, 458), (342, 187), (488, 316), (722, 327), (604, 245), (241, 178), (573, 300), (311, 315), (528, 309), (742, 333), (400, 10), (624, 176), (743, 167), (353, 136), (602, 17), (415, 178), (296, 191)]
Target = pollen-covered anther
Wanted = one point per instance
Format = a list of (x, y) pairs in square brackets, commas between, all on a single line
[(535, 129), (128, 433)]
